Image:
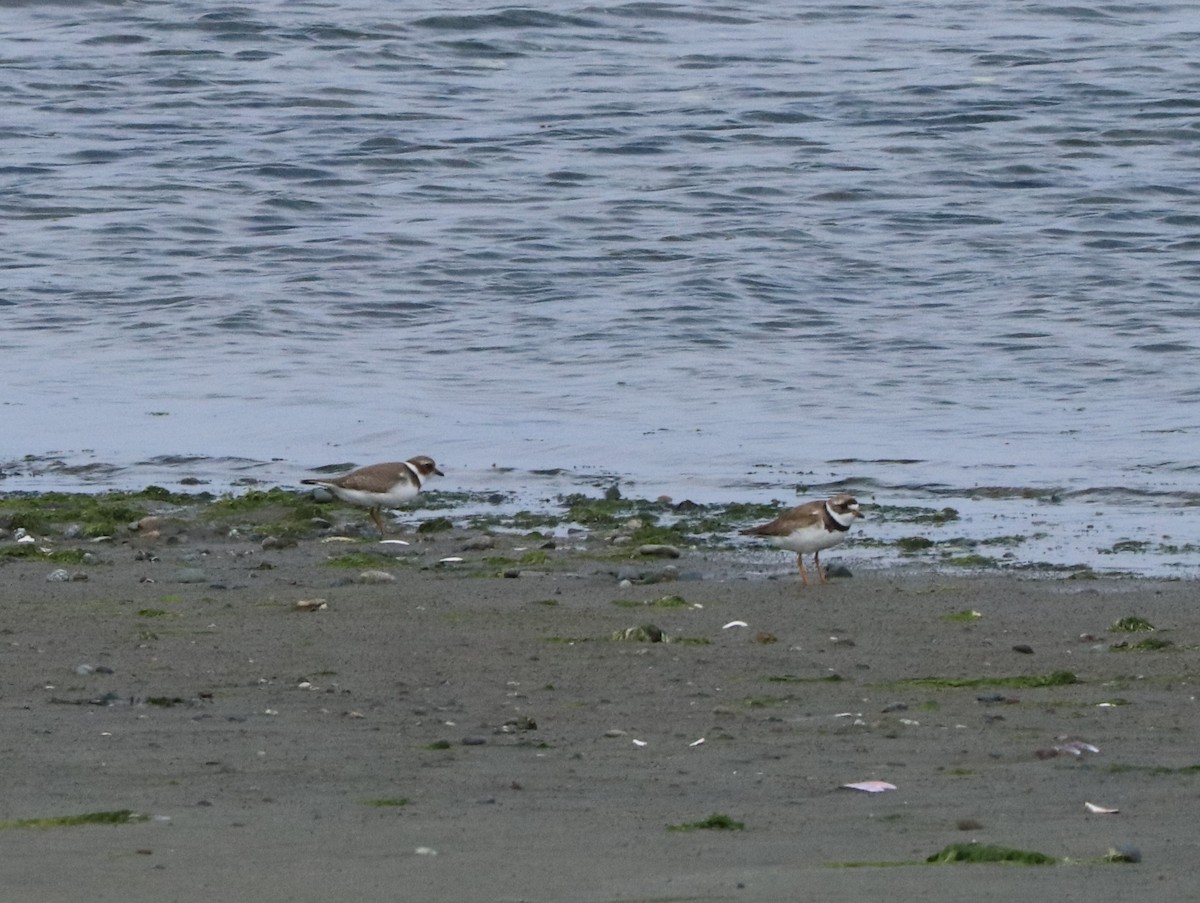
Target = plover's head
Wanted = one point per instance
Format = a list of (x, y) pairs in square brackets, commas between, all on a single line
[(844, 508), (423, 464)]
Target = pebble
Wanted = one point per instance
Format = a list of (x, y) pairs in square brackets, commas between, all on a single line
[(278, 542), (669, 574), (1023, 648), (61, 575), (479, 544), (658, 550), (474, 740), (1124, 853), (375, 577), (190, 575)]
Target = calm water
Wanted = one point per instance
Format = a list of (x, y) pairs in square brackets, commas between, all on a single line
[(718, 250)]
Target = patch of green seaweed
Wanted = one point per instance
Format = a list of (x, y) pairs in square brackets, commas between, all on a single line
[(661, 602), (101, 514), (1149, 644), (982, 852), (31, 551), (1021, 682), (715, 822), (115, 817)]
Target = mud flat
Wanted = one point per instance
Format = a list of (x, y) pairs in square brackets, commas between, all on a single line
[(470, 715)]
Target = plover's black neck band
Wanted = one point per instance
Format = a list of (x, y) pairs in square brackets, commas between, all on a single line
[(831, 522)]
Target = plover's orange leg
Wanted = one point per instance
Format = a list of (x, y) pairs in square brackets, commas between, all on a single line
[(803, 573), (378, 520), (817, 562)]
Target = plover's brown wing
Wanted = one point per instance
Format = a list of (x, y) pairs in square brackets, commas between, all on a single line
[(806, 515), (376, 477)]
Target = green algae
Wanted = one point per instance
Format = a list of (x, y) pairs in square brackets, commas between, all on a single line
[(912, 544), (30, 551), (962, 617), (1019, 682), (715, 822), (981, 852), (115, 817), (365, 560), (102, 514), (1149, 644), (661, 602)]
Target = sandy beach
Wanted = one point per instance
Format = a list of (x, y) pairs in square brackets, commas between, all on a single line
[(439, 731)]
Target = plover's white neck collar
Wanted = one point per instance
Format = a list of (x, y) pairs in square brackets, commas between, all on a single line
[(416, 474), (836, 521)]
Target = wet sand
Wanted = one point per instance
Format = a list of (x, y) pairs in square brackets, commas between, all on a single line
[(455, 735)]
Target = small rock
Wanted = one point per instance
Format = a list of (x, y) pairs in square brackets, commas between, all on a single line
[(521, 723), (658, 550), (668, 574), (84, 670), (311, 605), (272, 543), (148, 524), (474, 741), (1123, 853), (60, 575), (646, 633), (190, 575), (73, 531), (615, 732), (1023, 648), (479, 544), (375, 577)]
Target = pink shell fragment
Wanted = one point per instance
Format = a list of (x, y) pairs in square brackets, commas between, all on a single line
[(870, 786)]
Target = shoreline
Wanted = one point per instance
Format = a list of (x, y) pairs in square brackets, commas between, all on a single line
[(898, 534), (463, 734)]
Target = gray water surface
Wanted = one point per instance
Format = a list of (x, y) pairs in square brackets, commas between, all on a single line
[(716, 250)]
